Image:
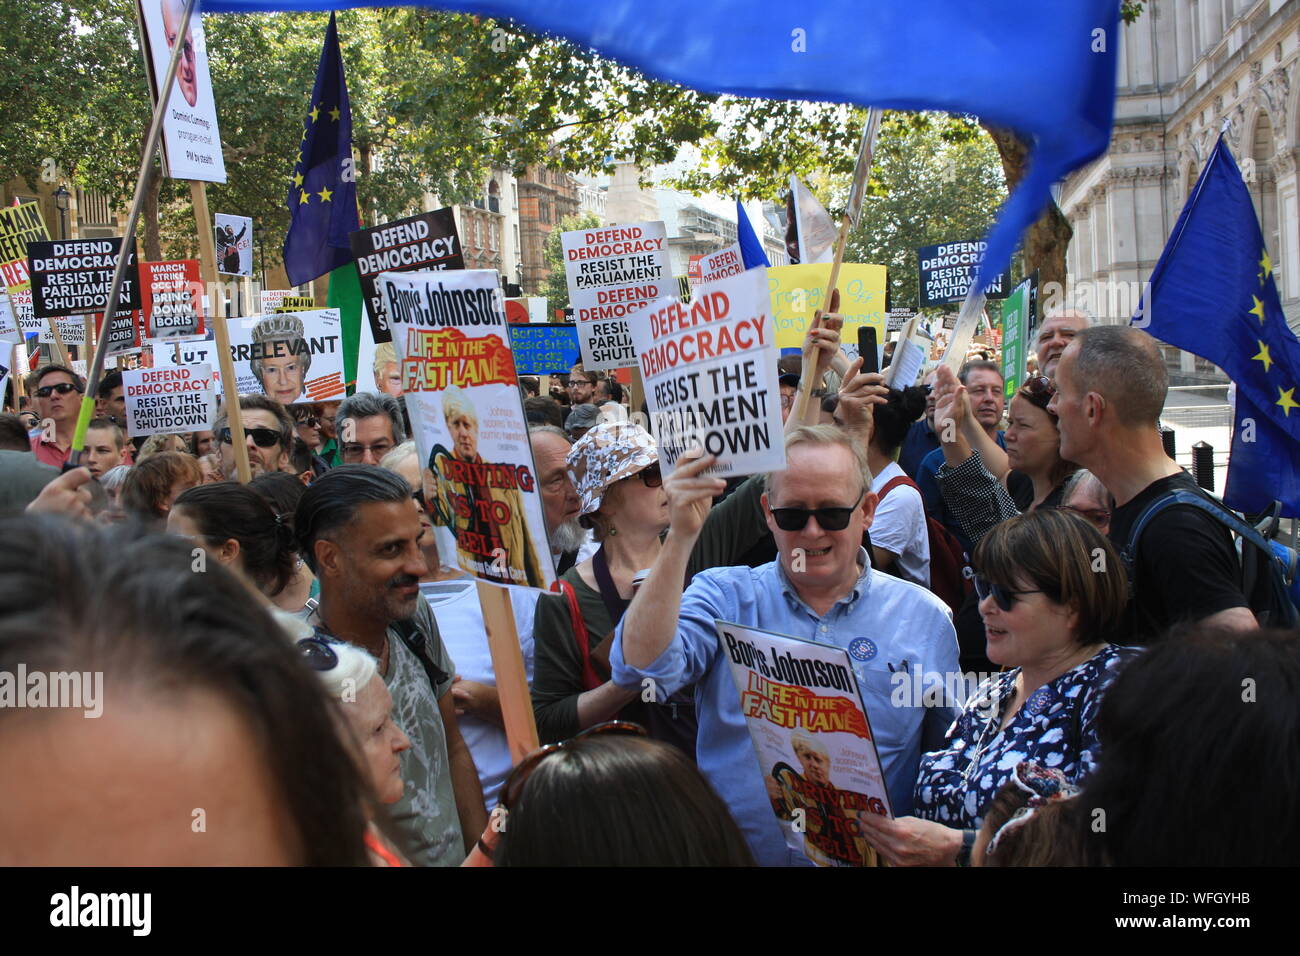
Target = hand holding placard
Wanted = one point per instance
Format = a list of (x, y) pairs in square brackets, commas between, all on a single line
[(691, 492)]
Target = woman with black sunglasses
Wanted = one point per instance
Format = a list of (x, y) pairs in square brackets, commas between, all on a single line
[(1052, 591)]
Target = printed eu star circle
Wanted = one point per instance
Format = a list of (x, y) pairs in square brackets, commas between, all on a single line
[(862, 649), (1038, 701)]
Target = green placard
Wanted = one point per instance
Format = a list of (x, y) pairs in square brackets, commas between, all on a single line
[(1015, 334)]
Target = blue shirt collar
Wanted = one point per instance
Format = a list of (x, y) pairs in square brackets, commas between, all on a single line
[(859, 591)]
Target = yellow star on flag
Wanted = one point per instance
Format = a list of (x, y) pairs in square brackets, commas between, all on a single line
[(1259, 309), (334, 114), (1265, 265), (1263, 356), (305, 196), (325, 194), (297, 178), (1286, 401), (315, 112)]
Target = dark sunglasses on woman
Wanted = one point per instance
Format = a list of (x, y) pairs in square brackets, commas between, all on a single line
[(1004, 598)]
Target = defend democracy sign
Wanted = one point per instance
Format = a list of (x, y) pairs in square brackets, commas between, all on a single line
[(949, 269), (719, 265), (169, 400), (72, 276), (425, 242), (544, 349), (460, 385), (710, 375), (612, 273)]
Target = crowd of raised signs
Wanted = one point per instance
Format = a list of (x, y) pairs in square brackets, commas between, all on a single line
[(1064, 659)]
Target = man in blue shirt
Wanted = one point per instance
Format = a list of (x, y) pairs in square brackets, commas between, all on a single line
[(822, 588)]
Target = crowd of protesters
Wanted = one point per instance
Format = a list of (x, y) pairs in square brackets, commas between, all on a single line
[(294, 650)]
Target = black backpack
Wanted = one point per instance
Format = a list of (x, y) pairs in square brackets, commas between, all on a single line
[(1265, 578)]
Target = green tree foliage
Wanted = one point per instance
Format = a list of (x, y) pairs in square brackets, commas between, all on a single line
[(935, 179), (557, 288)]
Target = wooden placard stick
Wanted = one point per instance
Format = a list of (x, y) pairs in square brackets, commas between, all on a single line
[(508, 667), (229, 387), (58, 343)]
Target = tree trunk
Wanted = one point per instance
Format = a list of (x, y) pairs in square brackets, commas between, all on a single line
[(1046, 241)]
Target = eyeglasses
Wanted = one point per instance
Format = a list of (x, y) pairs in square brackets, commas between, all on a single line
[(311, 421), (1098, 516), (262, 437), (352, 453), (1004, 598), (828, 519), (1039, 390), (651, 476), (318, 654), (514, 785), (62, 388)]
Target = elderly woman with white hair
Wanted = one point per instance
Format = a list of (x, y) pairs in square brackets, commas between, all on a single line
[(351, 677)]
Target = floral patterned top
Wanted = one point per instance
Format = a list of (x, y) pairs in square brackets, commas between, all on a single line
[(1055, 727)]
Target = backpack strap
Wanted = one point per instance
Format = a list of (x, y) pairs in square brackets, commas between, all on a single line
[(894, 482), (415, 641)]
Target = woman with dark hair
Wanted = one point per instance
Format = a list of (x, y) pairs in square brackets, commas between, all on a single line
[(611, 797), (282, 492), (900, 539), (214, 744), (1052, 591), (237, 528), (1200, 742), (978, 496)]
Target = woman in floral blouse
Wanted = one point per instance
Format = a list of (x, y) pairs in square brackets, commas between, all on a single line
[(1052, 590)]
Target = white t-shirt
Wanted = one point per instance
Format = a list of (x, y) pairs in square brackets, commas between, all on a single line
[(899, 527), (456, 607)]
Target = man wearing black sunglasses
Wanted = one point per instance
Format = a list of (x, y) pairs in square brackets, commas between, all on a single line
[(268, 434), (58, 391), (821, 588)]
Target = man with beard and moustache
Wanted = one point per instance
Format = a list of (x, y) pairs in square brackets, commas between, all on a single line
[(359, 530)]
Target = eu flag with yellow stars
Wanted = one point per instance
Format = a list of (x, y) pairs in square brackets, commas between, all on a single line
[(1213, 293), (323, 191)]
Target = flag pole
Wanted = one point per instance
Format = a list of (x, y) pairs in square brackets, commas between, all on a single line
[(95, 370), (861, 173)]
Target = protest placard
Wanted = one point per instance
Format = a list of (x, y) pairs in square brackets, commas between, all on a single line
[(948, 269), (295, 303), (72, 329), (812, 738), (19, 225), (612, 273), (191, 140), (290, 357), (1016, 321), (427, 242), (197, 352), (799, 291), (9, 331), (720, 264), (544, 349), (73, 277), (273, 299), (172, 299), (709, 369), (234, 238), (459, 380), (169, 400)]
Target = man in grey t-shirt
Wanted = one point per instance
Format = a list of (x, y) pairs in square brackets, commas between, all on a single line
[(359, 530)]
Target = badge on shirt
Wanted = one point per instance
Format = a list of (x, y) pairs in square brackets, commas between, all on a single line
[(862, 649)]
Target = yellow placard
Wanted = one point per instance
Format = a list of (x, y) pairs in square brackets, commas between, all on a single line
[(798, 291)]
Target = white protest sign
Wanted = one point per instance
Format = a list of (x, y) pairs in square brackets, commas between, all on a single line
[(723, 263), (812, 736), (9, 331), (290, 357), (191, 141), (234, 242), (169, 400), (458, 377), (198, 352), (72, 329), (710, 375), (612, 273)]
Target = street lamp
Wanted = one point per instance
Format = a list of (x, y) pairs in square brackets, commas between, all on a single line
[(61, 196)]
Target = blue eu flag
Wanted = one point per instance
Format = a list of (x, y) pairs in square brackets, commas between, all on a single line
[(751, 249), (323, 190), (1213, 294), (1046, 70)]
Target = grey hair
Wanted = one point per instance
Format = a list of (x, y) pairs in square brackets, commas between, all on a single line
[(550, 430), (1085, 313), (1125, 366), (367, 405), (823, 435), (112, 479), (344, 681), (1080, 480), (394, 458)]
